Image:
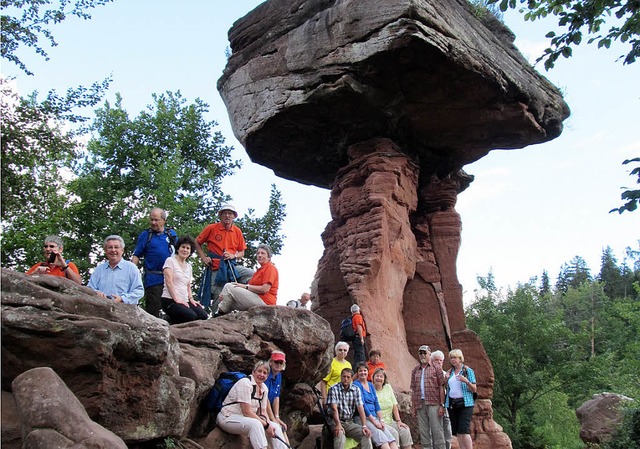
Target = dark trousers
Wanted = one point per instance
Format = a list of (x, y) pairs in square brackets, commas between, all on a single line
[(178, 313), (152, 303), (358, 352)]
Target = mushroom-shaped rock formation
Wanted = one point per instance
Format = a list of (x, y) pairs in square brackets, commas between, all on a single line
[(384, 103)]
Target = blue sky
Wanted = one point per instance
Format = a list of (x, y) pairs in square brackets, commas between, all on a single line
[(527, 210)]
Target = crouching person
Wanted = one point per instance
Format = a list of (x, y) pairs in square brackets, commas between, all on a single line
[(345, 401), (244, 411)]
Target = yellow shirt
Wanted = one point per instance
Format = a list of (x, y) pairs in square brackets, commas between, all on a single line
[(334, 374)]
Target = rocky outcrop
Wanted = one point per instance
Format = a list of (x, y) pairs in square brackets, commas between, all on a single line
[(309, 78), (600, 417), (134, 374), (384, 103), (52, 416)]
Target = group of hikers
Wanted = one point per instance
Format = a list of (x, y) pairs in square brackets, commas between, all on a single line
[(360, 407), (166, 276), (363, 410)]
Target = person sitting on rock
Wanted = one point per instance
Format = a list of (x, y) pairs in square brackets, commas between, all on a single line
[(177, 297), (244, 410), (261, 290), (117, 279), (345, 401), (54, 263), (277, 364), (338, 363), (374, 363)]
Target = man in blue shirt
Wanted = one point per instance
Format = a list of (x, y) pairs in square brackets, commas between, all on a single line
[(117, 279), (154, 245)]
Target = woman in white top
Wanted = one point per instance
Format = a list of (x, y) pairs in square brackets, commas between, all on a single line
[(244, 411), (177, 297)]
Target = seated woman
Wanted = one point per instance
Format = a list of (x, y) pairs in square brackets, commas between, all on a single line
[(177, 297), (380, 434), (244, 411), (389, 409), (261, 290)]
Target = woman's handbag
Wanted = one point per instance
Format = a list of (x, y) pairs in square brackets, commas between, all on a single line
[(456, 403)]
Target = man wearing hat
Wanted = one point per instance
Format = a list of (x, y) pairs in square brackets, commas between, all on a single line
[(225, 245), (427, 398)]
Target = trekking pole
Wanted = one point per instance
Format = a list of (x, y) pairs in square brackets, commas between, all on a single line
[(233, 272), (285, 443)]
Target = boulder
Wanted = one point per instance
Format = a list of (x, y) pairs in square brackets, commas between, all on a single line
[(52, 417), (600, 417), (136, 375), (309, 78)]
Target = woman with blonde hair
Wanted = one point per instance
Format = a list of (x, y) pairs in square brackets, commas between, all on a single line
[(461, 385), (389, 408), (244, 411)]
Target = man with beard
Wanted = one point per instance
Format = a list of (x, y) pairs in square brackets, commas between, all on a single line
[(427, 398)]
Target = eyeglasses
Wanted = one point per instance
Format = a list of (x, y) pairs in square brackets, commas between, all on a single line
[(50, 246), (278, 362), (423, 352)]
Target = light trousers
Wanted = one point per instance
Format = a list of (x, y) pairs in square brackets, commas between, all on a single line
[(430, 426), (351, 430), (252, 428), (238, 298), (401, 434)]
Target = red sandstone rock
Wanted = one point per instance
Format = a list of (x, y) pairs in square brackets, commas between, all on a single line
[(600, 416)]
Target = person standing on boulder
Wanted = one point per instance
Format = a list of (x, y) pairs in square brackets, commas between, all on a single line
[(427, 398), (155, 245), (54, 263), (225, 245)]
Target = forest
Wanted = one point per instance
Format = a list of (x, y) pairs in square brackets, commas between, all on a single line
[(554, 346)]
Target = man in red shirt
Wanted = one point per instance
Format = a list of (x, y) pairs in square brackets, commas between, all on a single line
[(54, 264), (225, 245), (427, 398)]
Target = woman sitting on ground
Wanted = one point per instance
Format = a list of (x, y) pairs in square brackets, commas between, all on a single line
[(244, 411), (389, 409), (177, 297)]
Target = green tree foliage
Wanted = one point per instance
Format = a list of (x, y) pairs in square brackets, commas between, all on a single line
[(545, 283), (631, 196), (573, 274), (25, 22), (584, 18), (553, 351), (168, 156), (263, 229), (38, 145)]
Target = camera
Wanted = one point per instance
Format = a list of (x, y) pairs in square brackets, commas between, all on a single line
[(52, 257)]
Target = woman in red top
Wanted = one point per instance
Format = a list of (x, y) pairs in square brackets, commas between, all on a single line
[(262, 287), (55, 264)]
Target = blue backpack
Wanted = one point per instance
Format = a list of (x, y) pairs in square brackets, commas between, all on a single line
[(221, 389), (346, 330)]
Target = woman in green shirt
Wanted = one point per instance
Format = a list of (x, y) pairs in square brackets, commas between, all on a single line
[(389, 408)]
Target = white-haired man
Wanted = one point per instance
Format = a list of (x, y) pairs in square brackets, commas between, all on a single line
[(117, 279)]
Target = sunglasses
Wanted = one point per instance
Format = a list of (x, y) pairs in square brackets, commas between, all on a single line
[(279, 362)]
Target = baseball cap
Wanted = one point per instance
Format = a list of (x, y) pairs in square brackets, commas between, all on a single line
[(278, 356), (424, 348)]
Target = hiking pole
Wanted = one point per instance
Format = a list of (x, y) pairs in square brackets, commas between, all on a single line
[(283, 441), (233, 272)]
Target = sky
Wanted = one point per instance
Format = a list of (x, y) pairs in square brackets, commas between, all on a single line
[(526, 211)]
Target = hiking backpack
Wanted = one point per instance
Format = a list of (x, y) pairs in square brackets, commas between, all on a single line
[(221, 389), (346, 330), (172, 239)]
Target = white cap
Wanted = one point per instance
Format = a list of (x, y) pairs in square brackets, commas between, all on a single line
[(228, 207)]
